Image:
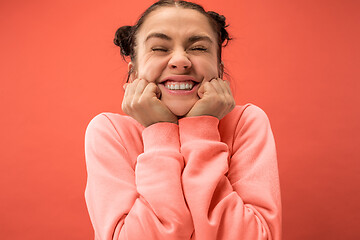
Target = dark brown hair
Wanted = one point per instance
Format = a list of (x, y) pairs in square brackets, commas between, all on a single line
[(125, 36)]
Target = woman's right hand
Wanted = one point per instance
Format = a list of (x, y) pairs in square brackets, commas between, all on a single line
[(141, 102)]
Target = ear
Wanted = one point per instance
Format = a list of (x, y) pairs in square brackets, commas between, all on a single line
[(221, 70), (131, 72)]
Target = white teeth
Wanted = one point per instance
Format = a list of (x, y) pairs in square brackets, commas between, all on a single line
[(177, 86)]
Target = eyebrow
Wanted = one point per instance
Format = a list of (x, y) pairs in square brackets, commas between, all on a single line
[(158, 35), (197, 38), (191, 39)]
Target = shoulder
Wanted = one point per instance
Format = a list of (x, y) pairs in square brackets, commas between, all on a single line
[(245, 115), (246, 123), (112, 124), (248, 110)]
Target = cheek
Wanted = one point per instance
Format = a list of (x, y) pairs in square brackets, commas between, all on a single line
[(152, 68), (206, 67)]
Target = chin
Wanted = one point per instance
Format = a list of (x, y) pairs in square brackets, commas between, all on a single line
[(180, 110)]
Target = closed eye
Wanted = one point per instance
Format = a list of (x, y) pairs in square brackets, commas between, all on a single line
[(157, 49), (201, 49)]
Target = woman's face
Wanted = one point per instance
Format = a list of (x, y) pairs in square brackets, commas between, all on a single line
[(176, 48)]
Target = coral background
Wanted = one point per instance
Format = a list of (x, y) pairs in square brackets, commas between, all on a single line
[(297, 60)]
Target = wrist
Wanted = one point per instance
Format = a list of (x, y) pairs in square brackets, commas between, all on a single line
[(199, 127), (165, 133)]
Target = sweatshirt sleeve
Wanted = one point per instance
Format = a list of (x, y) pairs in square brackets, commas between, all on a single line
[(135, 202), (249, 206)]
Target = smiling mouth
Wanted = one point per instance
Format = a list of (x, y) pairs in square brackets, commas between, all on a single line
[(181, 85)]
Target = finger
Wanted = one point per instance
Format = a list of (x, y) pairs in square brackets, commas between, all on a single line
[(227, 87), (140, 88), (125, 85), (201, 91), (218, 86), (220, 92), (126, 98), (158, 92), (129, 95), (151, 90), (130, 88), (224, 88), (225, 98), (230, 101), (209, 89)]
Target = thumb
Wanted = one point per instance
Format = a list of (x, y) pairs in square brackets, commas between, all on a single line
[(125, 85), (201, 91), (157, 91), (153, 89)]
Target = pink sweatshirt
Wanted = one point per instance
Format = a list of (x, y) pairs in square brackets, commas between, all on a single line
[(202, 179)]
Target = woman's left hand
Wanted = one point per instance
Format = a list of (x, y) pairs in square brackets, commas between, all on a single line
[(215, 100)]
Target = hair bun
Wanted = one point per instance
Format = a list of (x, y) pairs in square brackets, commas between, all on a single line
[(123, 39), (221, 21), (218, 18)]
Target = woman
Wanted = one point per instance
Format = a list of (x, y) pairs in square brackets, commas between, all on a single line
[(186, 163)]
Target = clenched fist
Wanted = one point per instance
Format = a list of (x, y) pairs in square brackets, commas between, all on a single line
[(141, 102), (215, 100)]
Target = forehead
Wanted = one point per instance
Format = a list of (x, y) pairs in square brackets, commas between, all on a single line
[(177, 22)]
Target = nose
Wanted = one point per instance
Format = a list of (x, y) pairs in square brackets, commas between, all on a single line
[(179, 61)]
